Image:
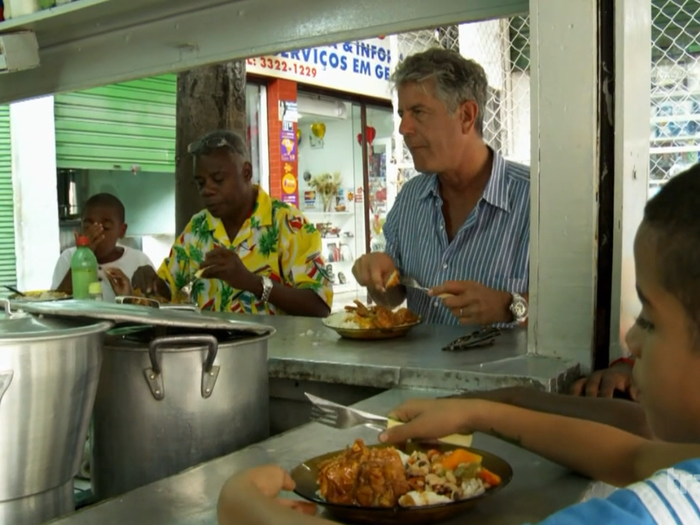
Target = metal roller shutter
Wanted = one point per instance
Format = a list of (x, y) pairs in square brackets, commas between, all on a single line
[(119, 126), (8, 269)]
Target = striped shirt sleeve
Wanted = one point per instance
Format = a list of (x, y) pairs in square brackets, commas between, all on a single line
[(670, 496)]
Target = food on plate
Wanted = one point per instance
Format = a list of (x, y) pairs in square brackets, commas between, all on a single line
[(373, 317), (146, 299), (41, 295), (393, 279), (386, 477)]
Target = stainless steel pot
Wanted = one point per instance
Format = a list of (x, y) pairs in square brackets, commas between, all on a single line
[(177, 388), (166, 403), (49, 370)]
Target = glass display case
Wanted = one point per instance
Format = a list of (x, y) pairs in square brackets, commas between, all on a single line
[(342, 192)]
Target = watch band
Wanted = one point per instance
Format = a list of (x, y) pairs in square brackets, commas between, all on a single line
[(267, 289)]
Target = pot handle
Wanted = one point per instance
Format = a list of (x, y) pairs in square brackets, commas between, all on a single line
[(203, 339), (210, 372), (5, 380)]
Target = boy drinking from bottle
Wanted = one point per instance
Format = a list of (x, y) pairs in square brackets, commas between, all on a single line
[(104, 224)]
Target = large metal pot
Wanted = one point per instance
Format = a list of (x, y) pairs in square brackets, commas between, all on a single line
[(49, 370), (177, 388), (168, 402)]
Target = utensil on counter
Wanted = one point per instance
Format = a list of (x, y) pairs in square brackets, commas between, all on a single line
[(14, 290), (334, 415), (410, 282), (305, 477), (477, 339)]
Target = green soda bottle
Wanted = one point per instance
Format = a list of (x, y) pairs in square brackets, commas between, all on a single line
[(83, 267)]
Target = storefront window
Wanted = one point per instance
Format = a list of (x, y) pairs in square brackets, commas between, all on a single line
[(381, 171)]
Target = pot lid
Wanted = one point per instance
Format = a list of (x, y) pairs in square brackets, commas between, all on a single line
[(17, 323), (138, 314)]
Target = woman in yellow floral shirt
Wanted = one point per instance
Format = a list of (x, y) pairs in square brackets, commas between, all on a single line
[(246, 252)]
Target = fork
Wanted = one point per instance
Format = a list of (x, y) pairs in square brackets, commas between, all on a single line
[(410, 282), (338, 416)]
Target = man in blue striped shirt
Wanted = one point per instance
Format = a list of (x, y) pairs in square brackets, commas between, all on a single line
[(462, 228)]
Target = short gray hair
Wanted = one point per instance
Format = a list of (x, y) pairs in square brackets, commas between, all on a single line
[(457, 79), (220, 138)]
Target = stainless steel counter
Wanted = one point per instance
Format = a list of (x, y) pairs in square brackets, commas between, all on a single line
[(538, 489), (303, 349)]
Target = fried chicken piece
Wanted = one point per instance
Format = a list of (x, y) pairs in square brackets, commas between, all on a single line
[(393, 280), (382, 480), (385, 318), (363, 476)]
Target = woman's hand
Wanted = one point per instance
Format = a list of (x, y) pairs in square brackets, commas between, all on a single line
[(268, 481), (432, 419)]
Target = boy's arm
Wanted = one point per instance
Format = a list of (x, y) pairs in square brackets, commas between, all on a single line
[(599, 451), (625, 415)]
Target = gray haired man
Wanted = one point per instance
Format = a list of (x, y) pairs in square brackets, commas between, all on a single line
[(462, 228)]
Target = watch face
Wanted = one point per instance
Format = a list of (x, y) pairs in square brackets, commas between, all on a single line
[(519, 308)]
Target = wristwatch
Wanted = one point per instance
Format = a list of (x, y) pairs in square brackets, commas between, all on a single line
[(518, 307), (267, 289)]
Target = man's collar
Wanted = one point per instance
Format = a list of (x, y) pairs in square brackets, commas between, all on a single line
[(495, 192)]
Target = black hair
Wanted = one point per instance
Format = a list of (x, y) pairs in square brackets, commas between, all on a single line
[(673, 214), (107, 200)]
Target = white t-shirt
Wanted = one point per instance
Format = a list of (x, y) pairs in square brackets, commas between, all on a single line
[(128, 263)]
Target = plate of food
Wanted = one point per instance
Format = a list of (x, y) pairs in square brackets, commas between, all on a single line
[(371, 322), (411, 484), (40, 295)]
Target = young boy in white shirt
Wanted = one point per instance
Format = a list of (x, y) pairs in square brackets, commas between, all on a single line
[(104, 224)]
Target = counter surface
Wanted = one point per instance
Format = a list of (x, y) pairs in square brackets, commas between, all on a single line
[(304, 349), (538, 488)]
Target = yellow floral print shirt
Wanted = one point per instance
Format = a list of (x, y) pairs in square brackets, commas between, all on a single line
[(276, 241)]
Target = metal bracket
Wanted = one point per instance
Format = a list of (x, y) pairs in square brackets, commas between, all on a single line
[(209, 380), (18, 51), (5, 380), (155, 383)]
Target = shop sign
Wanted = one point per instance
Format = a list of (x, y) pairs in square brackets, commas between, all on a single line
[(361, 67), (289, 185), (288, 146)]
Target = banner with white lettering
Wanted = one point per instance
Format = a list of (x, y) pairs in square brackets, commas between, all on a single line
[(360, 67)]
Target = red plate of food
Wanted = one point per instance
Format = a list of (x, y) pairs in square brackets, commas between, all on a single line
[(411, 484)]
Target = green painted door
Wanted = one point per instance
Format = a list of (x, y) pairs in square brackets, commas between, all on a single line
[(8, 269), (119, 126)]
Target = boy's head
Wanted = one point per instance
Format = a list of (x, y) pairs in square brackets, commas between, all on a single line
[(107, 210), (666, 337)]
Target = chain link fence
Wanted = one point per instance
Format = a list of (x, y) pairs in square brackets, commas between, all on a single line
[(675, 89), (502, 47)]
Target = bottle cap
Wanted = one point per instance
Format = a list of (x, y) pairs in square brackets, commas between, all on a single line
[(95, 288), (83, 240)]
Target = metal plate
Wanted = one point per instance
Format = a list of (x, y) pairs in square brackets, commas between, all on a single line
[(335, 320), (136, 314)]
